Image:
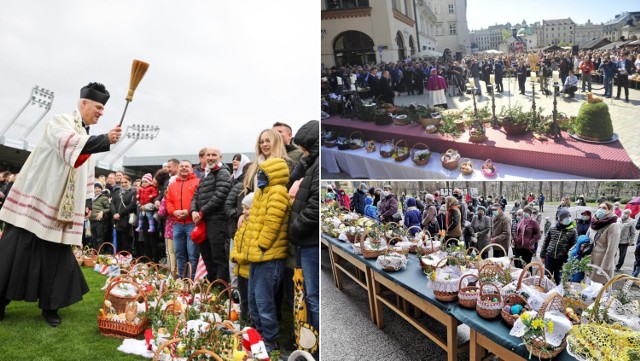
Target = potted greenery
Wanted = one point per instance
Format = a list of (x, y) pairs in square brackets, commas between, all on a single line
[(594, 122), (382, 117), (515, 121)]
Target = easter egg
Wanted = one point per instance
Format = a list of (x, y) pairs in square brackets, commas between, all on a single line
[(507, 309), (494, 300), (516, 309)]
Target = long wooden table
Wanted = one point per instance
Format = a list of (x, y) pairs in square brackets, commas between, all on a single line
[(412, 296)]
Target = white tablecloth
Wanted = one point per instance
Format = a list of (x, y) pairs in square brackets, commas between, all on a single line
[(360, 164)]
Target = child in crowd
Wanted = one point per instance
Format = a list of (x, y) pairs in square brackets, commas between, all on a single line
[(145, 196), (370, 210), (239, 256)]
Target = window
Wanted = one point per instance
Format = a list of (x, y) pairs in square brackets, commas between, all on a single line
[(346, 4), (439, 30), (452, 29), (451, 9)]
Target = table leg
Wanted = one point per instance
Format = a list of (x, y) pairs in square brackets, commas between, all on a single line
[(372, 309), (452, 338), (377, 304), (336, 271), (475, 351)]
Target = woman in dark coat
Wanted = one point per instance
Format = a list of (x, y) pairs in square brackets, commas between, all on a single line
[(122, 204), (521, 72)]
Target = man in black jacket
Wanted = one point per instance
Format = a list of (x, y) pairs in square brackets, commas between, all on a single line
[(208, 205), (304, 220), (387, 94), (359, 196)]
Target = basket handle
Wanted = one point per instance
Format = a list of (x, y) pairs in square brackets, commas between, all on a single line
[(105, 243), (409, 229), (396, 237), (482, 286), (438, 265), (357, 132), (466, 160), (609, 284), (222, 282), (550, 298), (159, 351), (527, 267), (426, 147), (465, 276), (205, 352), (446, 243), (493, 245), (399, 141)]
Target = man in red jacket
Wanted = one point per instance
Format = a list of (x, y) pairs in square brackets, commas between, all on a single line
[(179, 196)]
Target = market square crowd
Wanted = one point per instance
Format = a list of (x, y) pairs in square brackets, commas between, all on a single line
[(260, 218), (387, 80), (604, 233)]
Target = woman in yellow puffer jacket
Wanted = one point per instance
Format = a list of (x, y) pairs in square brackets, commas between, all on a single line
[(266, 233)]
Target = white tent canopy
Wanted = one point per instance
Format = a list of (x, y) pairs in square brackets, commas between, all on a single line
[(491, 51), (428, 54)]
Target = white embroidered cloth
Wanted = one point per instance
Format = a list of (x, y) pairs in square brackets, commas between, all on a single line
[(561, 325)]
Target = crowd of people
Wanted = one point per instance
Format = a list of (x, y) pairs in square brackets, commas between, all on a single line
[(602, 233), (258, 220), (385, 81)]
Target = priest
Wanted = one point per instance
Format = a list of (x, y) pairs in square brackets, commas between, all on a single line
[(45, 210)]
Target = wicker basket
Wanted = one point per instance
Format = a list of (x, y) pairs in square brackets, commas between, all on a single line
[(466, 166), (428, 267), (433, 247), (538, 345), (483, 262), (594, 315), (413, 239), (489, 169), (485, 306), (371, 146), (540, 282), (513, 129), (157, 355), (110, 327), (468, 295), (513, 299), (415, 148), (430, 129), (384, 153), (343, 143), (496, 275), (401, 120), (397, 147), (90, 258), (443, 296), (354, 138), (120, 302), (471, 262), (450, 159), (393, 230), (430, 121), (369, 253), (477, 138)]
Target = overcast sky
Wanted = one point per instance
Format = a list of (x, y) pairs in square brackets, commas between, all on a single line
[(220, 71), (484, 13)]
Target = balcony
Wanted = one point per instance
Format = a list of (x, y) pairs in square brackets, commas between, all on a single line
[(345, 13)]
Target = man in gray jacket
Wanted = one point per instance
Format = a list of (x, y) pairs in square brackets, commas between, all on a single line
[(208, 205), (501, 230)]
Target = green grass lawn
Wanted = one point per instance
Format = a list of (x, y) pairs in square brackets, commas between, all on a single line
[(24, 335)]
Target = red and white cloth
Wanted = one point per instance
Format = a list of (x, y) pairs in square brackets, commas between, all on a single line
[(252, 342)]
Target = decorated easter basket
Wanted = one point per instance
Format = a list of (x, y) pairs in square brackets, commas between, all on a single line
[(420, 154), (466, 166), (468, 291), (375, 247), (450, 159), (356, 140), (510, 300), (402, 151), (489, 169), (489, 303), (392, 261), (371, 146), (130, 327), (445, 280), (387, 149), (539, 346)]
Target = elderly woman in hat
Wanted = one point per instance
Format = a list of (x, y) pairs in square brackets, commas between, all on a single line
[(605, 237), (584, 223), (481, 226), (527, 236), (557, 243)]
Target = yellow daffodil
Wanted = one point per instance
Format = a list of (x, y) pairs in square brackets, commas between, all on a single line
[(537, 324), (550, 326), (525, 317), (432, 276)]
